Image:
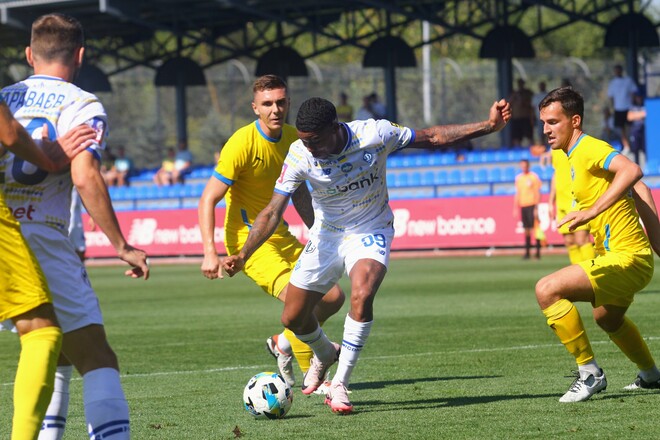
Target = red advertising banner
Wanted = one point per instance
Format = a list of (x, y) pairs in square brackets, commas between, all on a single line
[(447, 223)]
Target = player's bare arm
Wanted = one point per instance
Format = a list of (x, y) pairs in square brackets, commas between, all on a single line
[(302, 201), (214, 191), (626, 174), (94, 194), (447, 135), (648, 213), (264, 226), (68, 146), (55, 155)]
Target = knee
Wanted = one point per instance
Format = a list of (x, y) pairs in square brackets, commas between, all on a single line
[(545, 294), (609, 323)]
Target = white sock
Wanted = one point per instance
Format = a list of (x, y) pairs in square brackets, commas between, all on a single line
[(651, 375), (106, 409), (590, 367), (355, 336), (54, 423), (320, 344), (283, 344)]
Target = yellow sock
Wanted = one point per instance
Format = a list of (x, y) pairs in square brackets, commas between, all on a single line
[(35, 376), (574, 253), (564, 319), (301, 351), (631, 343), (587, 251)]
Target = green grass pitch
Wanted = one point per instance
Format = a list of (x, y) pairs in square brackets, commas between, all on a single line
[(459, 350)]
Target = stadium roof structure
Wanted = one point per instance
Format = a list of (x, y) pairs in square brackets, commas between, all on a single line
[(157, 33)]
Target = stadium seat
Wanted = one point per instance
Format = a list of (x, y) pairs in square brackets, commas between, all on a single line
[(467, 176), (440, 177), (454, 177), (481, 176), (415, 178), (428, 178), (510, 174), (495, 175)]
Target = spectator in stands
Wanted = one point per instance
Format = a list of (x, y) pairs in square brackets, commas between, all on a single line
[(164, 174), (620, 90), (107, 162), (536, 100), (365, 112), (609, 132), (522, 119), (344, 109), (525, 204), (120, 170), (378, 108), (183, 162), (636, 119)]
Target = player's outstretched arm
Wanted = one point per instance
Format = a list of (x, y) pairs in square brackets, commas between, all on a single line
[(214, 191), (441, 136), (263, 227), (94, 194), (55, 156), (648, 213)]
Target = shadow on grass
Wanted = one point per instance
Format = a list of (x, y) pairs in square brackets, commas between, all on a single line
[(383, 384)]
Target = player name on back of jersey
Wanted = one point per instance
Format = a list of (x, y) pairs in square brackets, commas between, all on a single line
[(33, 98)]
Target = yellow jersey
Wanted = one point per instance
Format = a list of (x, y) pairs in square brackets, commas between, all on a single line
[(250, 163), (564, 194), (618, 228)]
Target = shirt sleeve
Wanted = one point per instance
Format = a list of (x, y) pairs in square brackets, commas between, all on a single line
[(394, 136), (294, 171), (233, 159)]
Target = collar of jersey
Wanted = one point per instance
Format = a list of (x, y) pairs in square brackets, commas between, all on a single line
[(54, 78), (268, 138), (349, 137), (570, 150)]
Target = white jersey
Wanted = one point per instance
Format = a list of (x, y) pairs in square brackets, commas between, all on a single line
[(34, 195), (349, 190)]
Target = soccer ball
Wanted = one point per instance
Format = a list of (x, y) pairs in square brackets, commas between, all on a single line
[(267, 395)]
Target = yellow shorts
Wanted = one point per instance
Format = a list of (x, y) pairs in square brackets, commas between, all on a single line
[(271, 265), (616, 277), (563, 230), (23, 285)]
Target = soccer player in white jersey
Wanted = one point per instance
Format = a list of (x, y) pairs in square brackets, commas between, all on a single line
[(43, 200), (345, 164)]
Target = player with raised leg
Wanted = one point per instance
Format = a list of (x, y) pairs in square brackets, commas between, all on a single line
[(345, 164), (248, 166)]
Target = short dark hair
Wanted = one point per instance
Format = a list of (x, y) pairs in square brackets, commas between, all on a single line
[(571, 101), (56, 37), (268, 82), (315, 114)]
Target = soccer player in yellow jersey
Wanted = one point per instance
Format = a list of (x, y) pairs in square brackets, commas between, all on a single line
[(249, 164), (24, 294), (604, 183), (525, 203), (578, 242)]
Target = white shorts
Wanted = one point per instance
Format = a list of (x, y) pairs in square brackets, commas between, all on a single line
[(75, 302), (77, 236), (323, 261)]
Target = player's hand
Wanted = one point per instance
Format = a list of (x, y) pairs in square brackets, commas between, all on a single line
[(67, 146), (575, 219), (233, 264), (211, 268), (137, 258), (500, 113)]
